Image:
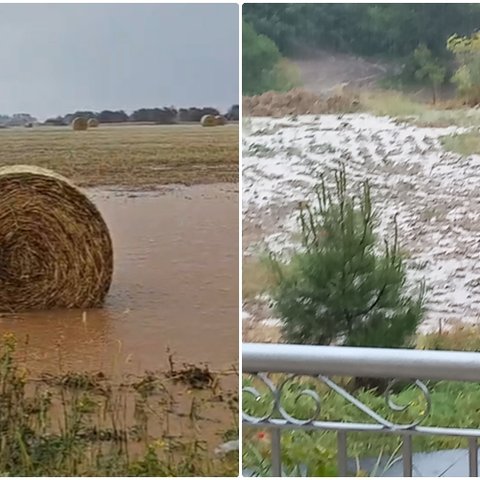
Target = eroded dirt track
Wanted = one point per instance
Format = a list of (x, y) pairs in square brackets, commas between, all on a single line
[(323, 72)]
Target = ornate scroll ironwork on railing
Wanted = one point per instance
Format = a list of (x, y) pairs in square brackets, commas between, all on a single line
[(296, 363), (276, 407)]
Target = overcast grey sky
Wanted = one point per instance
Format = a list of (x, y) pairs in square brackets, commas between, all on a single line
[(57, 58)]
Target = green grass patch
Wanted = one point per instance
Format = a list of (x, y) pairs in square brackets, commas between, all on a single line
[(404, 108), (463, 143), (461, 337), (437, 118), (392, 103), (257, 278)]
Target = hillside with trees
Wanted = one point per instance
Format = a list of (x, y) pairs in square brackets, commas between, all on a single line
[(415, 36), (365, 29)]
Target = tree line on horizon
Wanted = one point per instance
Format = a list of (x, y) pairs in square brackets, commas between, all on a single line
[(166, 115)]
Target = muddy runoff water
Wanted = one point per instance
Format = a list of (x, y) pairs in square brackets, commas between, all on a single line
[(175, 288)]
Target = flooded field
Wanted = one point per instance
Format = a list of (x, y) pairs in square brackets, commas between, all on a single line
[(166, 341), (175, 287), (433, 192), (155, 371)]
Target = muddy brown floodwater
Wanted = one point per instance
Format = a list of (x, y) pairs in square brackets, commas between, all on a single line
[(175, 286)]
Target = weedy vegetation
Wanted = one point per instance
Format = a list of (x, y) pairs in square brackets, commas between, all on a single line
[(86, 424), (313, 453)]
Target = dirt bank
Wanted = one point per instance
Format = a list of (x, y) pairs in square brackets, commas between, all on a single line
[(299, 102)]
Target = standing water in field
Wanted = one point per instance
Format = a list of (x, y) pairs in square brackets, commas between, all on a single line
[(174, 289)]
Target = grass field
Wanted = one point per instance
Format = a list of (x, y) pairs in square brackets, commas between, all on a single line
[(130, 156)]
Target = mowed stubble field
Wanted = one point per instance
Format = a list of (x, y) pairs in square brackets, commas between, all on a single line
[(131, 156)]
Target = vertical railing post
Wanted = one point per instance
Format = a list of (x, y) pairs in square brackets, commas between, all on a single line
[(472, 457), (276, 453), (407, 456), (342, 453)]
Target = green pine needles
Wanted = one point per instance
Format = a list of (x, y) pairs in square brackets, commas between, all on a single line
[(342, 287)]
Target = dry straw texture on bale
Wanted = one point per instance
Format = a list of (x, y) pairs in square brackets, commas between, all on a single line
[(80, 123), (55, 248), (93, 123), (220, 120), (208, 121)]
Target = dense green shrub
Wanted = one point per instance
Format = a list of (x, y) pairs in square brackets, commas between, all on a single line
[(340, 287), (467, 76), (263, 66)]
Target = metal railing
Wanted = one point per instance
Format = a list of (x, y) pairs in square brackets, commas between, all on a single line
[(322, 362)]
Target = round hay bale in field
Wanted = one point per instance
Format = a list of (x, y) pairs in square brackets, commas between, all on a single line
[(208, 121), (55, 248), (220, 120), (93, 123), (80, 123)]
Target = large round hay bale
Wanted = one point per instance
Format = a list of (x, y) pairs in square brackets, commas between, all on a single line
[(93, 123), (208, 121), (55, 248), (220, 120), (80, 123)]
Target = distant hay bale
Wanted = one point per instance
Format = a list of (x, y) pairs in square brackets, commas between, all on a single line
[(80, 123), (220, 120), (208, 121), (55, 248), (93, 123)]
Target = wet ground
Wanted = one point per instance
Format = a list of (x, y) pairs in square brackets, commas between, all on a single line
[(433, 193), (175, 287)]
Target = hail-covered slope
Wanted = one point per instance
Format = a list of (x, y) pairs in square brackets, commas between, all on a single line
[(436, 195)]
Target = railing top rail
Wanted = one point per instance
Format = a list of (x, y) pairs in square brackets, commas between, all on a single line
[(362, 362)]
